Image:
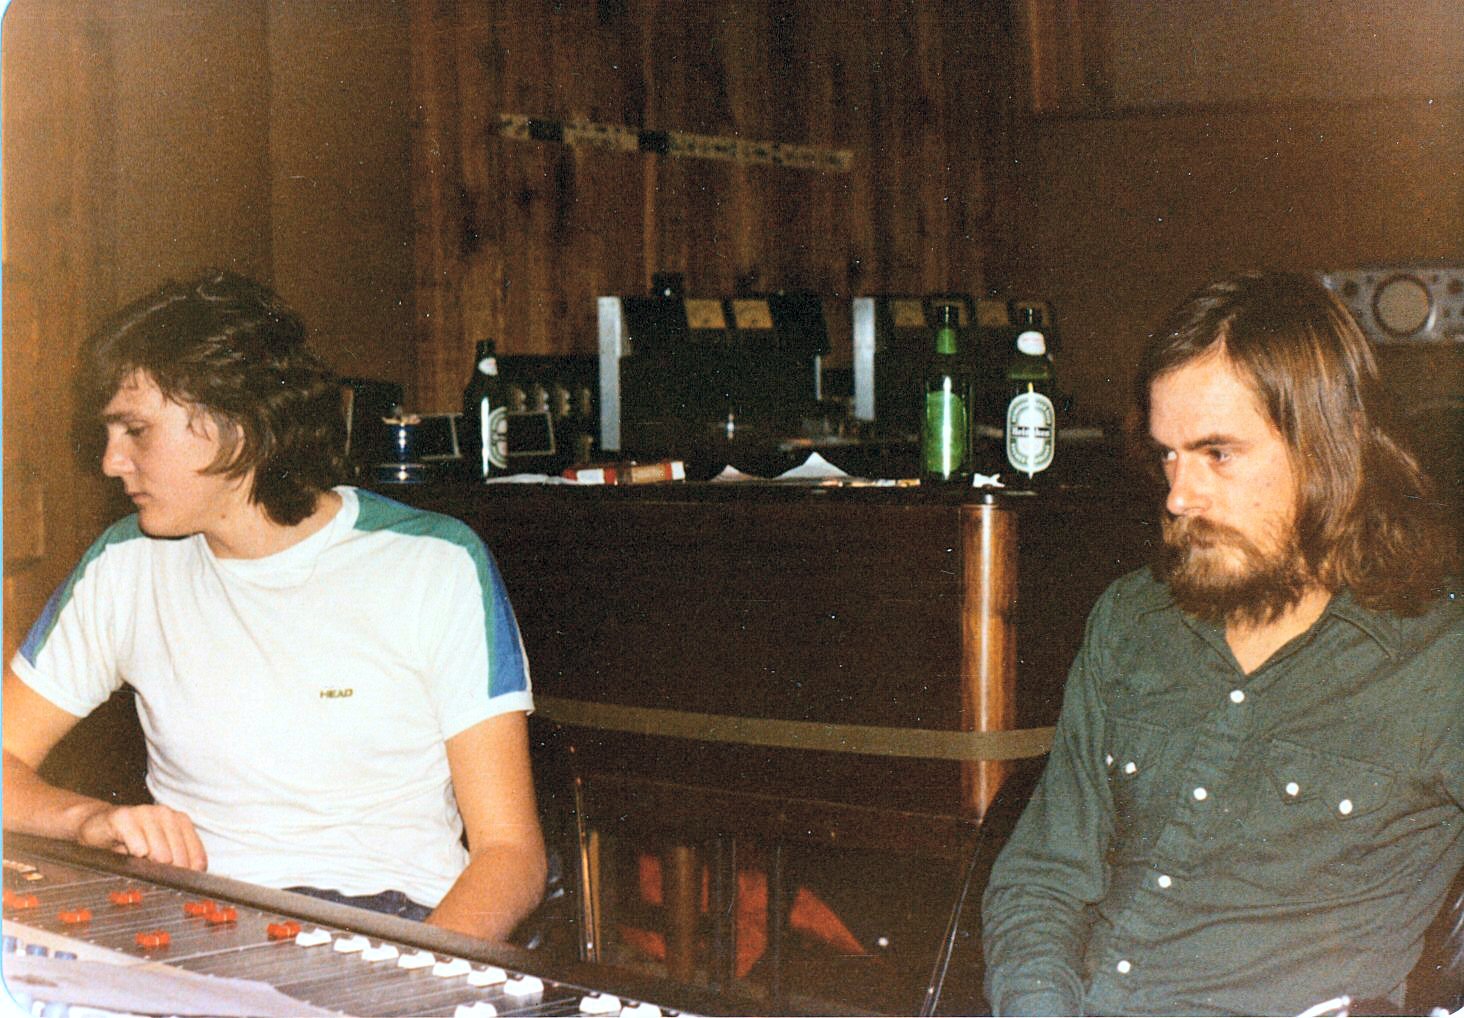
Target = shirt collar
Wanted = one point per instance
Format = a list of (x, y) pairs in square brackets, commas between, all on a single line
[(1381, 627)]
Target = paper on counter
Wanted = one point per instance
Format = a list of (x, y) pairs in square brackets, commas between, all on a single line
[(146, 989), (815, 467), (524, 479)]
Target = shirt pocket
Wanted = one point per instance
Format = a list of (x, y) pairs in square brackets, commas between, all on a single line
[(1134, 757), (1317, 818)]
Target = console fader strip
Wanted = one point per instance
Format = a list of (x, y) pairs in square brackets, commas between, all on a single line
[(67, 909)]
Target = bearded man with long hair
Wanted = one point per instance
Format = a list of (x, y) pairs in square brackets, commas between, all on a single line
[(1255, 797)]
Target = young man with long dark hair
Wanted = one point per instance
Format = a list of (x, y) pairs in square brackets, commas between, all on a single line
[(331, 685), (1255, 799)]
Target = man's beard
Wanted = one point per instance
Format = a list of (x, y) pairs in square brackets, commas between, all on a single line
[(1220, 575)]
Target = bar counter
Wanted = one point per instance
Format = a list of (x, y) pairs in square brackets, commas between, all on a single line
[(854, 666)]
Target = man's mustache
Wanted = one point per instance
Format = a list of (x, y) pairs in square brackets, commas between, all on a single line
[(1198, 532)]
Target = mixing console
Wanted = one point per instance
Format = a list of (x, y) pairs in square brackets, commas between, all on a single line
[(75, 922)]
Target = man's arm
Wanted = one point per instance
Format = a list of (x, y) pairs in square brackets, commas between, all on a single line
[(494, 787), (32, 726), (1034, 913)]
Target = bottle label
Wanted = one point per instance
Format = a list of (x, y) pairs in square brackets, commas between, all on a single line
[(495, 438), (944, 433), (1032, 343), (488, 365), (1031, 433)]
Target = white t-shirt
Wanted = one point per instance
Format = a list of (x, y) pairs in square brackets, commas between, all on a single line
[(296, 706)]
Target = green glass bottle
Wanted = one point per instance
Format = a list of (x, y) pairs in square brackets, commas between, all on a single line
[(1031, 413), (945, 434)]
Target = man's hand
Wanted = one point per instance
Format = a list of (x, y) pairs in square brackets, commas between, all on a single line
[(149, 832), (32, 725)]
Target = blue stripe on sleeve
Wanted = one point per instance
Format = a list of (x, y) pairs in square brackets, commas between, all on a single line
[(126, 529)]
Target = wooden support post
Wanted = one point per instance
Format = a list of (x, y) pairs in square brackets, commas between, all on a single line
[(989, 641)]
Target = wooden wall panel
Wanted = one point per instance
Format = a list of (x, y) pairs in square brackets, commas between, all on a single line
[(1159, 173), (135, 150), (339, 183), (58, 277), (520, 237)]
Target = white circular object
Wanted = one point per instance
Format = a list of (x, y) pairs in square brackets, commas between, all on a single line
[(1402, 305), (1237, 696), (1032, 343), (1200, 794), (1344, 807)]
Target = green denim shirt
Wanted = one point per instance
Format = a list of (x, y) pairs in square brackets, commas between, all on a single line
[(1209, 842)]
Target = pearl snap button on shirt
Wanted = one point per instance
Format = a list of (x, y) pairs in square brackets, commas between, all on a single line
[(1200, 794), (1130, 768), (1293, 789), (1124, 967), (1237, 696), (1164, 880), (1344, 807)]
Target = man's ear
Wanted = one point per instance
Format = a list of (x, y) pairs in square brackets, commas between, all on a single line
[(223, 430)]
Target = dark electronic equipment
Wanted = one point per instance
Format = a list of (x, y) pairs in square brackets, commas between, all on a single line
[(1413, 313), (367, 403), (552, 402), (678, 375)]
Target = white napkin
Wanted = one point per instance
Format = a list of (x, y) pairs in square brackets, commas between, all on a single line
[(814, 467)]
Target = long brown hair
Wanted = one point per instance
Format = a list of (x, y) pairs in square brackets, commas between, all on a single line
[(227, 346), (1368, 518)]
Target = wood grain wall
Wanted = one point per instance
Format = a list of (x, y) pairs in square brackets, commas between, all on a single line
[(1332, 139), (146, 139), (515, 239), (134, 149)]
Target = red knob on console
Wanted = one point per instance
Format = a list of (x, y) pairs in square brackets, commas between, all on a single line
[(130, 896), (221, 915), (199, 908), (286, 930), (75, 917), (154, 939), (13, 900)]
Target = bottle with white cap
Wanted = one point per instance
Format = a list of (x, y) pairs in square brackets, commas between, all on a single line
[(1031, 412)]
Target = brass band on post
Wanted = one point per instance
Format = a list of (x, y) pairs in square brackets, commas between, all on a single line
[(870, 740)]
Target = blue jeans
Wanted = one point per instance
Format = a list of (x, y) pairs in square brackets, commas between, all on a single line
[(390, 902)]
